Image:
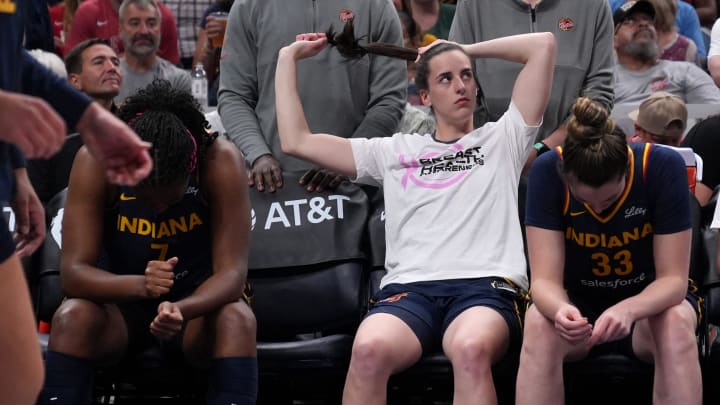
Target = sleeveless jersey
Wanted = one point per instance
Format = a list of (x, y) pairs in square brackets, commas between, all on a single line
[(136, 234), (609, 255)]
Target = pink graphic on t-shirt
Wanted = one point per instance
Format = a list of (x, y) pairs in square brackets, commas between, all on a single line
[(438, 179)]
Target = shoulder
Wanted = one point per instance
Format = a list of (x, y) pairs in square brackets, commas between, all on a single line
[(221, 151)]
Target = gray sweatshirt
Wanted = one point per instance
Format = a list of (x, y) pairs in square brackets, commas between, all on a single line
[(585, 55), (346, 97)]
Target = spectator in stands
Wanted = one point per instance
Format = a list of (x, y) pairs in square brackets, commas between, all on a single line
[(432, 16), (208, 29), (687, 23), (99, 19), (661, 119), (704, 141), (713, 62), (639, 71), (584, 64), (440, 290), (706, 11), (61, 16), (673, 46), (93, 68), (140, 22), (188, 14), (362, 98), (183, 284), (629, 292)]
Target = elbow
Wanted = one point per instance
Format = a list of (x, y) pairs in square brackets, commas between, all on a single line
[(548, 44), (287, 147)]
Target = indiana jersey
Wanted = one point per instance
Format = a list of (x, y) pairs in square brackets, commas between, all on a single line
[(136, 234), (609, 254)]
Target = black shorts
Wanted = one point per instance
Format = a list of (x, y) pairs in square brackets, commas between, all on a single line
[(429, 307), (139, 315)]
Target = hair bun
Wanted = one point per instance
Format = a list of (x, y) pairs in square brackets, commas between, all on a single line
[(590, 121)]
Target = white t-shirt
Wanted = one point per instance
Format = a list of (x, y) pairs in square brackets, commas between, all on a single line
[(451, 209)]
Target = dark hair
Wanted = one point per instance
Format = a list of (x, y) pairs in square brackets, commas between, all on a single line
[(422, 68), (594, 152), (350, 47), (172, 121), (74, 60)]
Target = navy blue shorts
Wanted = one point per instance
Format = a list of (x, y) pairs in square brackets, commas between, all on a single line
[(429, 307)]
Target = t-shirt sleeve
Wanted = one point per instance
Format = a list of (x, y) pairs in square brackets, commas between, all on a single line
[(545, 194), (668, 191), (369, 155)]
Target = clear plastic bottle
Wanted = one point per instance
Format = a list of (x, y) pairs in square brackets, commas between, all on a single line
[(200, 86)]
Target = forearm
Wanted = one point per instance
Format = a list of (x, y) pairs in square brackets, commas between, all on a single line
[(548, 296), (658, 296), (292, 124), (516, 48), (95, 284), (218, 290)]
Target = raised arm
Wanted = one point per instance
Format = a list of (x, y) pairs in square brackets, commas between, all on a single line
[(537, 51), (329, 151)]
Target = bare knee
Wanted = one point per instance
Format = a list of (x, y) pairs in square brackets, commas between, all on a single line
[(673, 331), (472, 355), (76, 326), (370, 356), (236, 322)]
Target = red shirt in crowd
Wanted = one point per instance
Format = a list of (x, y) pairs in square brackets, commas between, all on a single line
[(98, 19)]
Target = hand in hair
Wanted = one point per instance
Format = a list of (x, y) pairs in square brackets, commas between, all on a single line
[(306, 45), (421, 51)]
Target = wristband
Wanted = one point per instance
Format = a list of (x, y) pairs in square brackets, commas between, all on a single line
[(541, 148)]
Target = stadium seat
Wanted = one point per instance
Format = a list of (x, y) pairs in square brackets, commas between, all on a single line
[(308, 272)]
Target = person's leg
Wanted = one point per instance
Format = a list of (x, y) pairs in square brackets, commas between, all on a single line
[(227, 340), (384, 345), (668, 339), (21, 373), (540, 376), (475, 339), (83, 334)]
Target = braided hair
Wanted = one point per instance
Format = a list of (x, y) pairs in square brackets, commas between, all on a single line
[(171, 120), (595, 151)]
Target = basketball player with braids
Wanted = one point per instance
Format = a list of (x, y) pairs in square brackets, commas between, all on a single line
[(454, 260), (165, 260), (608, 233)]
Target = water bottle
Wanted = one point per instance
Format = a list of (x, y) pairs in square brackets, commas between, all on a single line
[(200, 86)]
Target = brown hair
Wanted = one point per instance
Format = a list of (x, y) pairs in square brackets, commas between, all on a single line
[(595, 152), (665, 12)]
